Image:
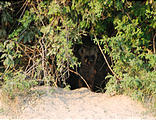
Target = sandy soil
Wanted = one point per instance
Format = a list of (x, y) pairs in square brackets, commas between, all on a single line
[(58, 103)]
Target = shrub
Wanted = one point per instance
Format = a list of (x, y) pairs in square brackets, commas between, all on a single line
[(17, 84), (41, 43)]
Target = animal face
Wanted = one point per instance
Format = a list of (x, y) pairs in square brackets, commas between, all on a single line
[(88, 55)]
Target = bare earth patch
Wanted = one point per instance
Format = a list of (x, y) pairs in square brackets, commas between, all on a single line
[(59, 103)]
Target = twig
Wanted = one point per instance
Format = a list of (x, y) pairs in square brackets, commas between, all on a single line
[(154, 43), (25, 4), (43, 54), (154, 48), (23, 49), (80, 77), (44, 51), (27, 71)]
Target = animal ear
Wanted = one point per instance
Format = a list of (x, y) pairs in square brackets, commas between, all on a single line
[(81, 51)]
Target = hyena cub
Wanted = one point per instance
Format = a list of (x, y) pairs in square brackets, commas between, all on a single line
[(88, 57)]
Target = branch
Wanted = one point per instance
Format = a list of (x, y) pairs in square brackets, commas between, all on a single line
[(80, 77), (154, 48), (154, 43), (108, 62)]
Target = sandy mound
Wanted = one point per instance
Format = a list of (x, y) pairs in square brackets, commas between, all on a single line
[(78, 104)]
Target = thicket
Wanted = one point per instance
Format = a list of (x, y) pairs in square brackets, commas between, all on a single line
[(37, 37)]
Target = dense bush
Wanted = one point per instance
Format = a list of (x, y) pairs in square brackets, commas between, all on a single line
[(38, 40)]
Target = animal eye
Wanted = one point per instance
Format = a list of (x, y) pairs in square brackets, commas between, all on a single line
[(86, 57), (92, 57)]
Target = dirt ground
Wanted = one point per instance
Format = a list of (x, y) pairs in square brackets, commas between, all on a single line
[(57, 103)]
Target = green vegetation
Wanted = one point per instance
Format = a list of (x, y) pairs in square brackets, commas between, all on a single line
[(16, 85), (36, 37)]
